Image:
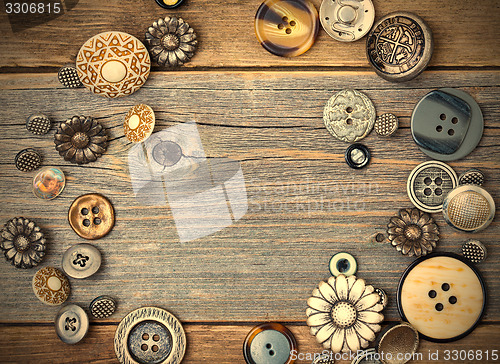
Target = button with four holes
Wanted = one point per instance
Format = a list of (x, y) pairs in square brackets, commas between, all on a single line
[(72, 324), (81, 261), (269, 343), (91, 216)]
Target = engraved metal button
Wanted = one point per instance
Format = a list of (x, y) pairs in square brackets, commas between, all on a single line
[(399, 47), (286, 28), (474, 251), (91, 216), (38, 124), (347, 21), (139, 123), (343, 263), (68, 77), (349, 115), (150, 335), (102, 307), (49, 183), (169, 4), (447, 124), (81, 261), (324, 359), (72, 324), (113, 64), (428, 184), (469, 208), (28, 160), (357, 156), (471, 177), (269, 343), (397, 343), (51, 286), (386, 124)]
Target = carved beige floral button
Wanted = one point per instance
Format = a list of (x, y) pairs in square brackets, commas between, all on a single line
[(139, 123), (51, 286)]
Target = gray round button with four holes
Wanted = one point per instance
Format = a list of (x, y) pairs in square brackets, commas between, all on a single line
[(81, 261), (72, 324)]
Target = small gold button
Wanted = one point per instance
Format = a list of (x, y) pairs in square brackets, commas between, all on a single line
[(91, 216), (51, 286)]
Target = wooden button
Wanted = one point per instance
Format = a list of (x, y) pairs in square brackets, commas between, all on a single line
[(72, 324), (81, 261), (113, 64), (443, 296), (91, 216), (49, 183), (51, 286), (269, 343), (286, 28), (139, 123)]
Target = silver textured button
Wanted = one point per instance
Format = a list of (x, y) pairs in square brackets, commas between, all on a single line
[(471, 177), (81, 261), (150, 335), (28, 160), (347, 21), (349, 115), (102, 307), (269, 343), (474, 251), (38, 124), (386, 124), (428, 184), (72, 324), (68, 77), (343, 263), (469, 208)]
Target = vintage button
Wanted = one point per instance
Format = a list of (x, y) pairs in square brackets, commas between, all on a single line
[(38, 124), (81, 261), (474, 251), (347, 21), (286, 28), (384, 299), (139, 123), (324, 359), (102, 307), (469, 208), (386, 124), (471, 177), (428, 184), (91, 216), (51, 286), (269, 343), (343, 263), (447, 124), (113, 64), (150, 335), (368, 356), (49, 183), (28, 160), (443, 296), (357, 156), (169, 4), (72, 324), (68, 77), (399, 46), (349, 115), (397, 343)]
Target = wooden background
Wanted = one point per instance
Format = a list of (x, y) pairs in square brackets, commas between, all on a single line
[(304, 202)]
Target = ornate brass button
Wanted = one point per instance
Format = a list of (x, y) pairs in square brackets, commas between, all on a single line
[(102, 307), (72, 324), (28, 160), (397, 343), (81, 261), (286, 28), (113, 64), (399, 46), (269, 343), (91, 216), (139, 123), (51, 286), (386, 124)]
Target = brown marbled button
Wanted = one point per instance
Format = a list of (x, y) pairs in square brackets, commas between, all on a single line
[(51, 286), (286, 28), (91, 216)]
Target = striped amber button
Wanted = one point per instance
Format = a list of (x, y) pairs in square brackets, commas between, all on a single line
[(286, 28)]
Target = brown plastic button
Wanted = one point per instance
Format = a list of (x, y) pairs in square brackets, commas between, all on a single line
[(51, 286), (91, 216)]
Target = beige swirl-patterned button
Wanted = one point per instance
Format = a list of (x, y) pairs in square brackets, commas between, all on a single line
[(113, 64), (139, 123), (51, 286)]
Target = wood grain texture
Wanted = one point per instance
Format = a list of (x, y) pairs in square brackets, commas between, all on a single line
[(205, 344), (304, 202), (464, 33)]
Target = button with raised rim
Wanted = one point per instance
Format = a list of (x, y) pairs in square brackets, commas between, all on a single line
[(386, 124), (286, 28), (269, 343), (38, 124), (81, 261), (357, 156), (51, 286), (102, 307), (471, 177), (72, 324), (343, 263), (169, 4), (28, 160), (91, 216), (49, 183), (139, 123)]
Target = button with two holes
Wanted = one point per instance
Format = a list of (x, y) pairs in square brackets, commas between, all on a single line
[(269, 343), (91, 216)]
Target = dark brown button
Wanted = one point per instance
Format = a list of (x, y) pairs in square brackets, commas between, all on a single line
[(28, 160), (91, 216)]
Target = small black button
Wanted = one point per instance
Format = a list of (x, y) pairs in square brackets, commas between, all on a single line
[(357, 156)]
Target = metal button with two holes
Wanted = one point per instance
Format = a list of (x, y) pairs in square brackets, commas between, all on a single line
[(347, 21), (471, 177), (349, 115), (38, 124), (102, 307), (91, 216), (399, 46), (343, 263), (428, 184), (386, 124), (269, 343), (28, 160), (474, 251), (150, 335), (357, 156), (68, 77), (81, 261), (447, 124), (72, 324), (469, 208)]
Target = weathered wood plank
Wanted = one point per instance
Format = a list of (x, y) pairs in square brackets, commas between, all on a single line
[(265, 266), (464, 33), (205, 344)]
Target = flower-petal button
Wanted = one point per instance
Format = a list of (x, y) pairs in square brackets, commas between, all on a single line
[(139, 123), (51, 286), (269, 343), (91, 216)]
